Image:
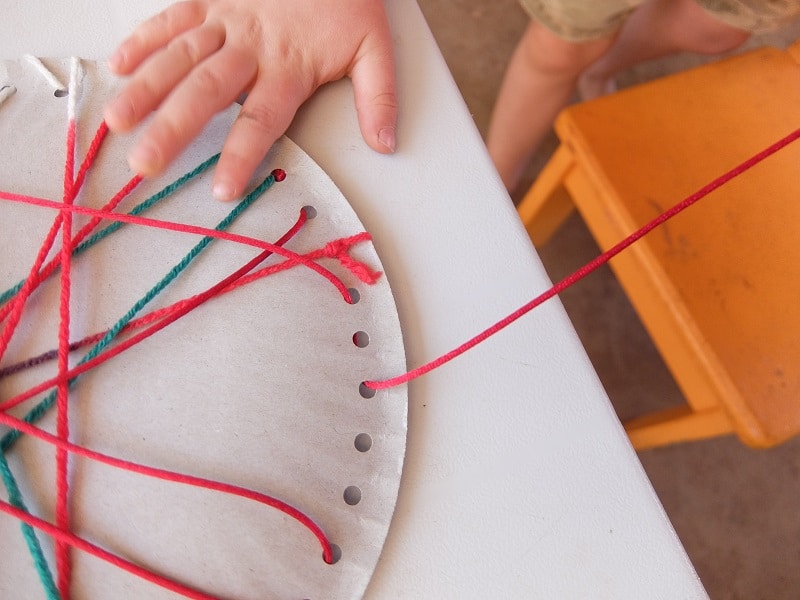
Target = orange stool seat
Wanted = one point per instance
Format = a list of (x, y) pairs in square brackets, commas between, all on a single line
[(718, 286)]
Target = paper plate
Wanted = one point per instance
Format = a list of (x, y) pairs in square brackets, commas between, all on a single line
[(259, 387)]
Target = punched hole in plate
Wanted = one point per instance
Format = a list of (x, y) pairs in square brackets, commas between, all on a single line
[(366, 391), (354, 295), (336, 554), (310, 211), (61, 93), (361, 339), (363, 442), (352, 495)]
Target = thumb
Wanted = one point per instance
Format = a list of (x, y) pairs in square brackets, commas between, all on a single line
[(375, 95)]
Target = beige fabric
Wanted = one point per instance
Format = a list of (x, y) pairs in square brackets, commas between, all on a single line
[(583, 20), (753, 15)]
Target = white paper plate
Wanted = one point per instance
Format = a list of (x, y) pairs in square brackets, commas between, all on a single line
[(258, 388)]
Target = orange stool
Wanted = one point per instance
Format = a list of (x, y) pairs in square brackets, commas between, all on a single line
[(718, 286)]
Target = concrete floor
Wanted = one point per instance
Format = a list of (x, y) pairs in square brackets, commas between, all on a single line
[(737, 510)]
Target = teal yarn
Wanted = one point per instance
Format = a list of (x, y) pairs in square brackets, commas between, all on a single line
[(31, 540), (143, 206), (136, 210), (38, 411), (46, 403)]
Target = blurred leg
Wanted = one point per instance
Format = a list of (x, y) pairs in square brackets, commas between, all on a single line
[(539, 82)]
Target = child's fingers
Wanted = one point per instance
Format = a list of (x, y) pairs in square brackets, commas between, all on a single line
[(209, 88), (375, 96), (266, 114), (155, 33), (160, 74)]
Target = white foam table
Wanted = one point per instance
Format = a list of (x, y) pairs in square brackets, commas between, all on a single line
[(519, 481)]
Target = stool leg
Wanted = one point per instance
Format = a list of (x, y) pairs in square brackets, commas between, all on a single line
[(680, 424), (547, 204)]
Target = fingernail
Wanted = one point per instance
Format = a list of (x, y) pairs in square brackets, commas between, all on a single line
[(143, 159), (387, 138), (223, 191)]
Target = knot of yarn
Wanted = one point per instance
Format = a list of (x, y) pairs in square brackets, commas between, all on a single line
[(340, 250), (337, 248)]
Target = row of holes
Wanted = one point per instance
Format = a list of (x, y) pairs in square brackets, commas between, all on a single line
[(361, 339), (363, 441), (352, 493)]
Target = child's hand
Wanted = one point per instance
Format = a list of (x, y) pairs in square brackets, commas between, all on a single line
[(197, 57)]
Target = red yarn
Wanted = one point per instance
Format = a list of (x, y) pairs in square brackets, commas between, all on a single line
[(340, 249), (169, 318), (174, 477), (15, 309), (17, 304), (82, 234), (184, 228), (33, 281), (586, 269), (63, 565), (363, 272), (91, 154), (67, 537)]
